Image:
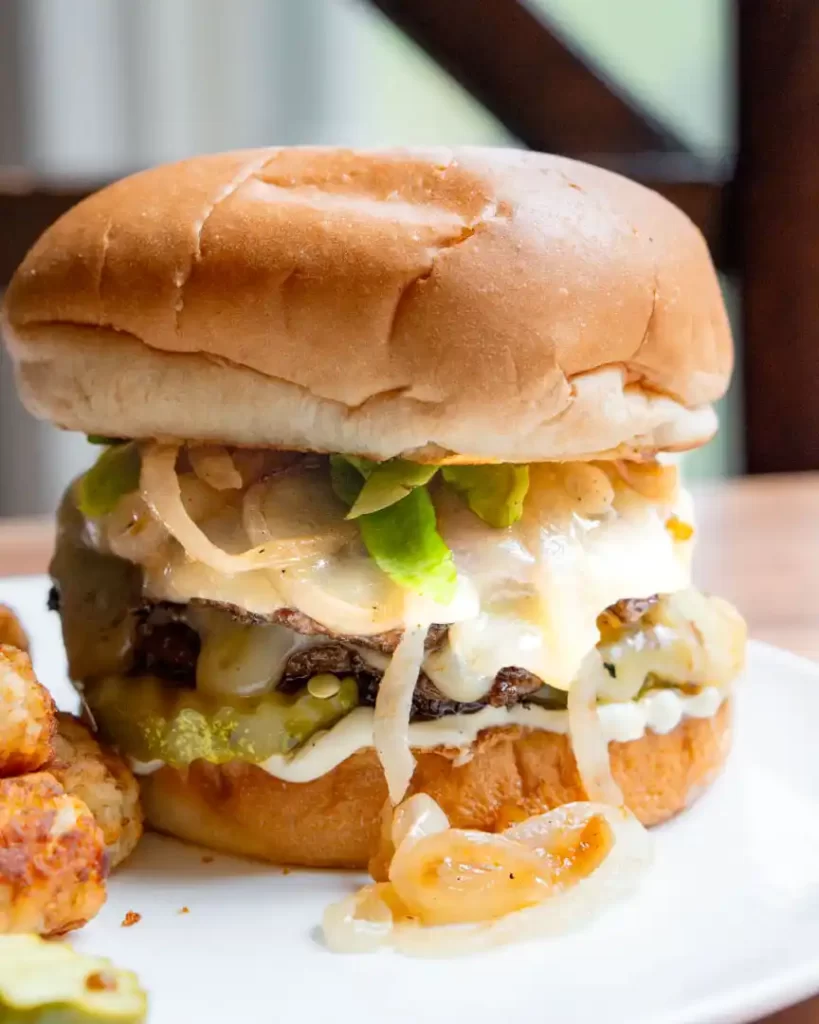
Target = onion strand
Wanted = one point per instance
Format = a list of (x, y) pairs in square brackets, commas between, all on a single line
[(589, 744), (160, 488), (392, 711), (214, 466), (543, 877), (564, 909)]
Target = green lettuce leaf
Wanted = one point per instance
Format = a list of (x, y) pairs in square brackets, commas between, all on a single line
[(364, 466), (100, 439), (389, 482), (346, 478), (495, 493), (404, 542), (402, 539), (115, 473)]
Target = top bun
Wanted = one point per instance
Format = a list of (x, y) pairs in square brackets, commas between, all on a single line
[(462, 305)]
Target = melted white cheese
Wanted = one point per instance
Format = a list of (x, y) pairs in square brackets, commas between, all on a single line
[(543, 583), (659, 711), (528, 596)]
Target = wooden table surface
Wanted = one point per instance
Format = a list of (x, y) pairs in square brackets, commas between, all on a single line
[(758, 546)]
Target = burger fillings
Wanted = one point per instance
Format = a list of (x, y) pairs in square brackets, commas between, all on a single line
[(245, 610), (523, 597)]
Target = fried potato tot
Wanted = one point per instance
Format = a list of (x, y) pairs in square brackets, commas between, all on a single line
[(27, 716), (11, 629), (102, 780), (52, 858)]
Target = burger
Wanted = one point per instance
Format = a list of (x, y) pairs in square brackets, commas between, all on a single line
[(382, 504)]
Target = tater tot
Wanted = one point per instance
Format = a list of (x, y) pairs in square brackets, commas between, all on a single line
[(102, 780), (52, 858), (11, 629), (27, 716)]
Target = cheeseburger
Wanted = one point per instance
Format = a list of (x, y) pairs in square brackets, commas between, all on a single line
[(381, 505)]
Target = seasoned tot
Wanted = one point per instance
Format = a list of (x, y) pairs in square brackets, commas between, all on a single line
[(11, 629), (27, 716), (100, 779), (52, 858)]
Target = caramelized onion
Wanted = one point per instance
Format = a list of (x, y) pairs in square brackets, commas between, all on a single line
[(257, 528), (253, 519), (461, 876), (455, 891), (719, 634), (133, 533), (652, 480), (626, 856), (392, 711), (591, 751), (201, 501), (270, 509), (160, 489), (416, 817), (300, 589), (574, 838), (379, 862), (214, 465), (361, 923), (589, 489), (413, 818)]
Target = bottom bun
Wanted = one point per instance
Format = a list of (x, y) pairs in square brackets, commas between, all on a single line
[(334, 820)]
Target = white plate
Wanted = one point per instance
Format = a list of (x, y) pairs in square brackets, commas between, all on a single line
[(725, 928)]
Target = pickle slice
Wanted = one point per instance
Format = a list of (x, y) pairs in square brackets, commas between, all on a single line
[(115, 473), (49, 983), (149, 720)]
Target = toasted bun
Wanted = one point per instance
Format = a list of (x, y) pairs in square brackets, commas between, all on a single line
[(469, 304), (334, 821)]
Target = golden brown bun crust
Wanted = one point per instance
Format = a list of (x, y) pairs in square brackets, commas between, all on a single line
[(432, 300), (334, 821)]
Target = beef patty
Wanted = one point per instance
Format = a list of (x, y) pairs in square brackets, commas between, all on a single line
[(166, 646)]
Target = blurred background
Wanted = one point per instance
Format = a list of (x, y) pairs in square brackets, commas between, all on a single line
[(93, 89)]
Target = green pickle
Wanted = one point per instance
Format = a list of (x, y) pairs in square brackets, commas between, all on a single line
[(49, 983), (113, 475), (151, 721)]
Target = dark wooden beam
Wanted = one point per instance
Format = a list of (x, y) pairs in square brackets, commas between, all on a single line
[(776, 221), (544, 91), (26, 210)]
